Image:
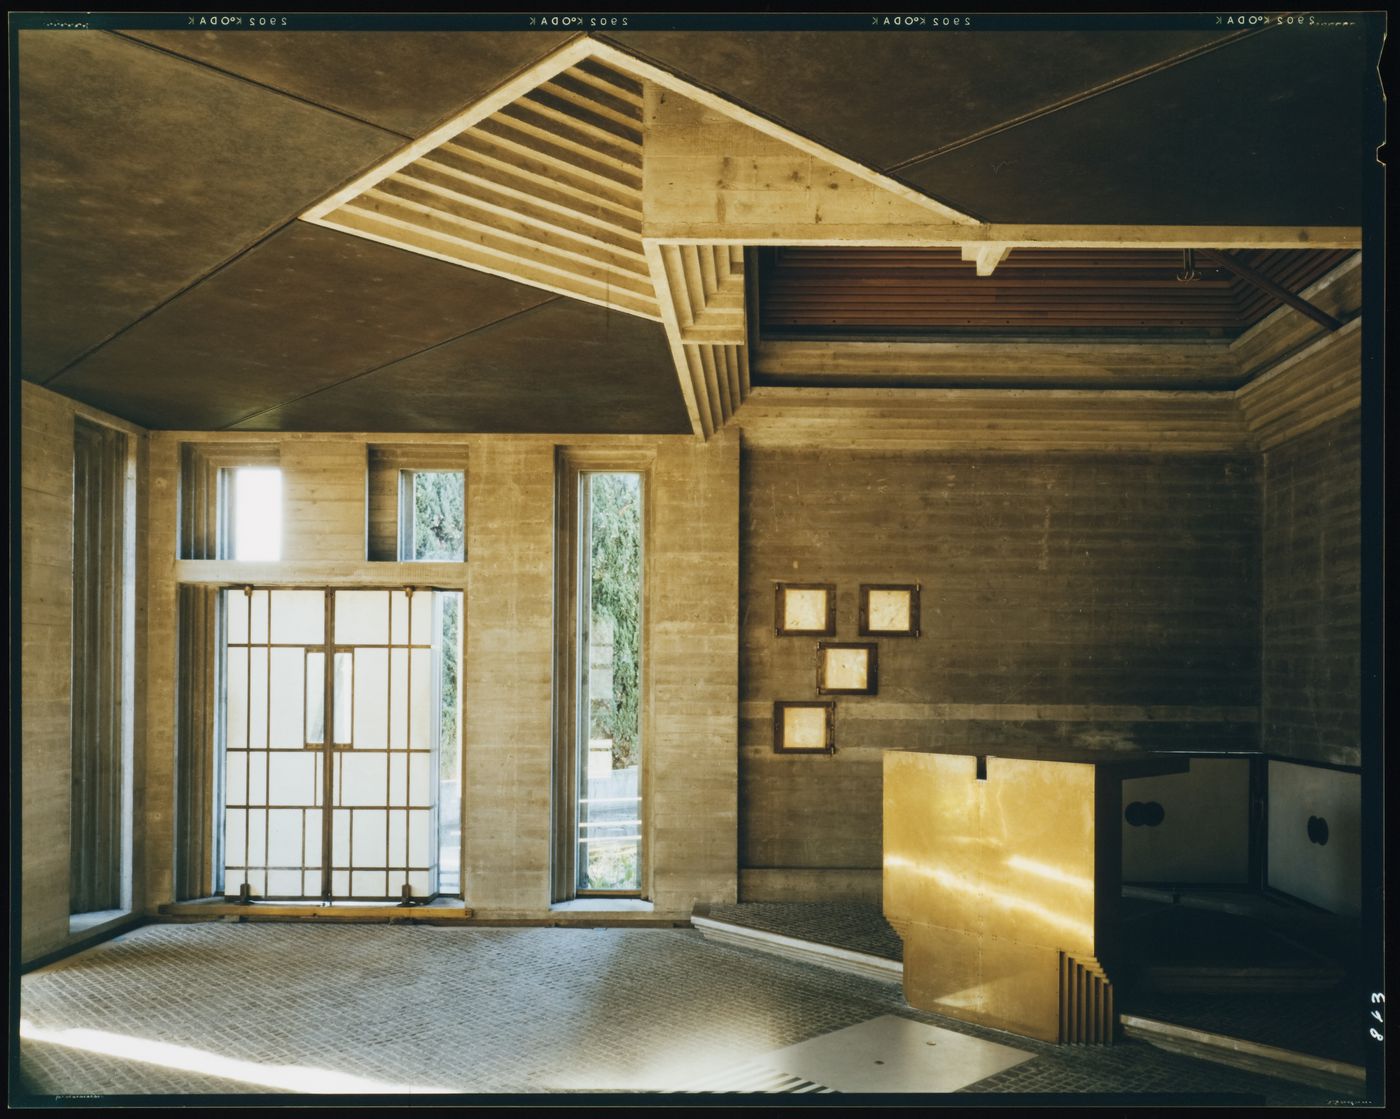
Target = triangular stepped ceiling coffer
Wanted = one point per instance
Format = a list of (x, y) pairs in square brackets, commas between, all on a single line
[(552, 179), (603, 177)]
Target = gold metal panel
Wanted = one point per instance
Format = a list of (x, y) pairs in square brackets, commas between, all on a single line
[(933, 838), (1039, 850), (983, 979), (990, 879)]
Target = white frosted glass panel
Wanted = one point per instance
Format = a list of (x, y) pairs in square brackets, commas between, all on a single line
[(298, 617), (284, 883), (315, 698), (340, 883), (422, 619), (369, 843), (257, 881), (420, 729), (369, 884), (847, 668), (362, 780), (343, 696), (319, 777), (420, 792), (398, 703), (371, 698), (398, 779), (293, 777), (340, 837), (313, 844), (284, 837), (257, 837), (257, 513), (257, 634), (311, 884), (257, 697), (889, 610), (236, 777), (805, 609), (257, 777), (286, 692), (236, 698), (361, 617), (398, 617), (419, 837), (398, 838), (235, 822), (421, 883), (236, 617)]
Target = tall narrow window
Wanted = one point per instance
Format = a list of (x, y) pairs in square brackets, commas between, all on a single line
[(599, 787), (101, 777)]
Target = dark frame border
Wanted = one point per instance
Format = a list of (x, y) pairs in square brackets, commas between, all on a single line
[(863, 627), (779, 609), (872, 675), (779, 706)]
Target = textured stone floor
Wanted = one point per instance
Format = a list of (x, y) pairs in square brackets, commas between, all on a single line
[(256, 1008)]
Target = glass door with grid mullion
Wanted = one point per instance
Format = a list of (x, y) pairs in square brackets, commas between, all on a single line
[(372, 660)]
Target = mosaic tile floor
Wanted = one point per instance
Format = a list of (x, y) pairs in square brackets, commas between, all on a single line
[(257, 1008)]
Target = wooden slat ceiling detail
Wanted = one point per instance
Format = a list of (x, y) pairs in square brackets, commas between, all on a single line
[(547, 190), (809, 291), (702, 301), (1316, 384)]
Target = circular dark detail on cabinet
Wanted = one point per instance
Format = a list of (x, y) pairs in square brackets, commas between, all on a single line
[(1317, 830), (1144, 815)]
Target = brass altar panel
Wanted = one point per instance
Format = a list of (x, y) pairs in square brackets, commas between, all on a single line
[(984, 979), (990, 878)]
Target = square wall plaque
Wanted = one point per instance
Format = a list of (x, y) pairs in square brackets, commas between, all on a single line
[(847, 668), (805, 610), (804, 726), (889, 610)]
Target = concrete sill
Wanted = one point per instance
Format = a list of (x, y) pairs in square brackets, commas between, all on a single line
[(603, 905), (81, 923), (440, 909)]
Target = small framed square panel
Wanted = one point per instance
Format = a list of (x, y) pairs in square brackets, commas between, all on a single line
[(804, 726), (847, 668), (889, 610), (805, 610)]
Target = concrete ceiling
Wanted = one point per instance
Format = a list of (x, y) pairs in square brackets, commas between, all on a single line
[(164, 276)]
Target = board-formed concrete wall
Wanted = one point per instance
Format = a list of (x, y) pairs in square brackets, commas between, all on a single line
[(1312, 595), (45, 684), (1091, 600), (691, 645)]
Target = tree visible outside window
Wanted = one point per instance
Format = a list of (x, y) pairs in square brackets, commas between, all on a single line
[(439, 520)]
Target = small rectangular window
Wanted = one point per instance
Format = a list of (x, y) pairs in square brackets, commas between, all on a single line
[(432, 525), (252, 512), (416, 497), (230, 501)]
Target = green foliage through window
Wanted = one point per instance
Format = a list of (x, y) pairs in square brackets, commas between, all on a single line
[(615, 564), (438, 517)]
